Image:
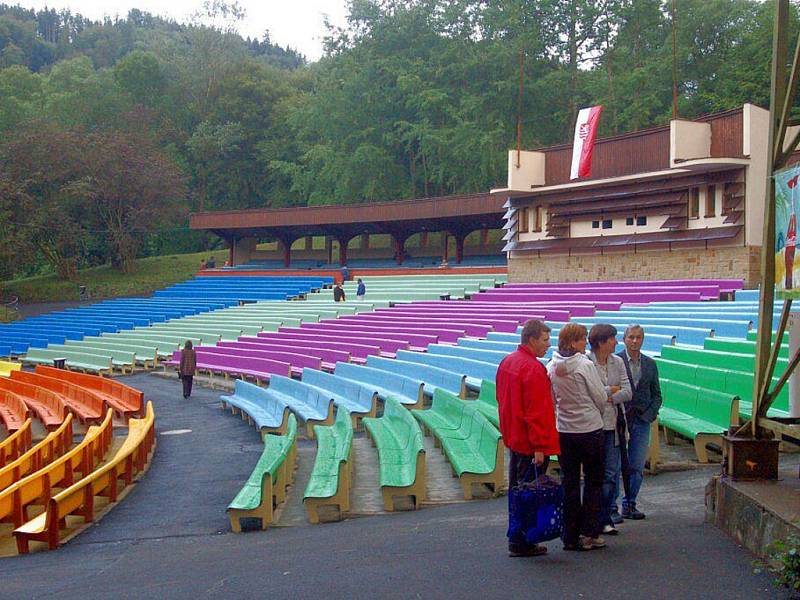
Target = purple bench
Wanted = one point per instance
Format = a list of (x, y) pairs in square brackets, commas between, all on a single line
[(257, 368), (469, 328), (707, 292), (635, 297), (359, 346), (450, 334), (296, 360), (723, 284), (473, 324), (418, 339), (329, 357)]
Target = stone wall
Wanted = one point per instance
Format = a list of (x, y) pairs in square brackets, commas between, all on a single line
[(686, 263)]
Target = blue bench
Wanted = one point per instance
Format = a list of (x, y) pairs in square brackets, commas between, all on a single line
[(432, 377), (406, 390), (311, 404), (488, 356), (473, 371), (358, 399), (268, 413)]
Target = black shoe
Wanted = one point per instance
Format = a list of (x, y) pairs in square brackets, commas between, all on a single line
[(633, 514), (520, 551), (616, 518)]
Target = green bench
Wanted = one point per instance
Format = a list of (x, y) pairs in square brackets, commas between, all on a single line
[(265, 489), (401, 453), (471, 443), (329, 484), (81, 361), (738, 346), (698, 414), (486, 403), (142, 353), (715, 358)]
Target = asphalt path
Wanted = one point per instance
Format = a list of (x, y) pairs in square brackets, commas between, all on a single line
[(170, 538)]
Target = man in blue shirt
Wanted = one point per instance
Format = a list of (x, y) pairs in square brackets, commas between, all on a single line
[(361, 290)]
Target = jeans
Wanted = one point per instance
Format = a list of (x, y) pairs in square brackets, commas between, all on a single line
[(519, 466), (613, 466), (638, 445), (582, 516), (187, 385)]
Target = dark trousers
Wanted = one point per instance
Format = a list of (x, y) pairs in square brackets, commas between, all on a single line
[(187, 385), (521, 471), (582, 516)]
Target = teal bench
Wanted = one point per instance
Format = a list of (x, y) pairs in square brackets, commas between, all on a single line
[(357, 399), (432, 377), (401, 453), (331, 476), (739, 346), (99, 362), (312, 405), (699, 414), (486, 403), (471, 443), (266, 487), (267, 412), (406, 390)]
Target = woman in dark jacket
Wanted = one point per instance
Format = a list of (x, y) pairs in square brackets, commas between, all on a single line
[(187, 368)]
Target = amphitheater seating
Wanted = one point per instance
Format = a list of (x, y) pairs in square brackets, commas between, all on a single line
[(328, 357), (37, 488), (473, 371), (123, 399), (406, 390), (297, 360), (329, 484), (267, 412), (266, 486), (471, 443), (432, 377), (42, 453), (486, 403), (87, 406), (143, 354), (13, 413), (49, 407), (355, 346), (699, 414), (78, 499), (401, 453), (16, 444), (310, 404), (7, 367)]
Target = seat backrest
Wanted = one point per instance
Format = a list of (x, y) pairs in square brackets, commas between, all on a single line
[(714, 407), (488, 392), (711, 378), (679, 396)]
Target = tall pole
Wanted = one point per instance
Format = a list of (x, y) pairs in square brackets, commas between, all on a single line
[(674, 65), (767, 296), (519, 107)]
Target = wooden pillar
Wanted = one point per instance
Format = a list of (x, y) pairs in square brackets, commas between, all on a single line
[(364, 240), (287, 252), (445, 250), (459, 248), (343, 251), (329, 249), (309, 242), (399, 248)]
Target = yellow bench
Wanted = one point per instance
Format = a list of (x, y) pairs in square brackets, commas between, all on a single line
[(78, 499), (6, 368), (14, 445), (50, 448)]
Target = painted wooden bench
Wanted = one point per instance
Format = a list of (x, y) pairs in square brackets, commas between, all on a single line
[(409, 391), (16, 444), (329, 484), (82, 361), (42, 453), (123, 399), (13, 412), (357, 399), (48, 406), (267, 412), (87, 406)]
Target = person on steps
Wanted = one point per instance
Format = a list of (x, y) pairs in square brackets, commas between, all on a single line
[(187, 367), (338, 293)]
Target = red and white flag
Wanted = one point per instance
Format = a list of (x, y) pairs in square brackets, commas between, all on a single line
[(583, 144)]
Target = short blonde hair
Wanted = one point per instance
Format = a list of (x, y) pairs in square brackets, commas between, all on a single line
[(571, 332)]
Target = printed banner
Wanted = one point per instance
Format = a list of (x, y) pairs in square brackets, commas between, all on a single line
[(787, 197), (583, 143)]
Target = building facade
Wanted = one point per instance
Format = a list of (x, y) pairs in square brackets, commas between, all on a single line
[(680, 201)]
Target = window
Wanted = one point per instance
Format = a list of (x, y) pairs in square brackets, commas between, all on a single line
[(607, 223), (538, 217), (711, 201), (694, 203), (629, 221), (595, 224), (522, 224), (640, 221)]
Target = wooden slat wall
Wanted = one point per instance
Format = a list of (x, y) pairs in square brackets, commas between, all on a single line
[(727, 135)]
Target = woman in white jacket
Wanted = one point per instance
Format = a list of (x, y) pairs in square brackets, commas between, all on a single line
[(581, 400), (611, 368)]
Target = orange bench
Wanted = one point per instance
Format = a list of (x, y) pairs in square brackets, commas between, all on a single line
[(13, 411), (37, 488), (83, 403), (14, 445), (125, 400), (48, 406), (78, 499), (46, 451)]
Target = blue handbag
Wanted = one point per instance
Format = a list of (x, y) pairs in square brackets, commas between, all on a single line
[(536, 509)]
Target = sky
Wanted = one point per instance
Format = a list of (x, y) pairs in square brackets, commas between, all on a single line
[(296, 23)]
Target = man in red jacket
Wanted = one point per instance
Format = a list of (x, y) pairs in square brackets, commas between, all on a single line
[(527, 415)]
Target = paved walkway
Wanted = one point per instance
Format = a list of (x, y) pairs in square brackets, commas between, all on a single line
[(170, 538)]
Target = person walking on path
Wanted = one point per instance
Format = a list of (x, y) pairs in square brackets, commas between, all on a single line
[(338, 293), (361, 290), (527, 418), (611, 368), (581, 400), (187, 367), (640, 413)]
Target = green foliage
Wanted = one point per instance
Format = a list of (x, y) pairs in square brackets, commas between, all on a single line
[(785, 555)]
